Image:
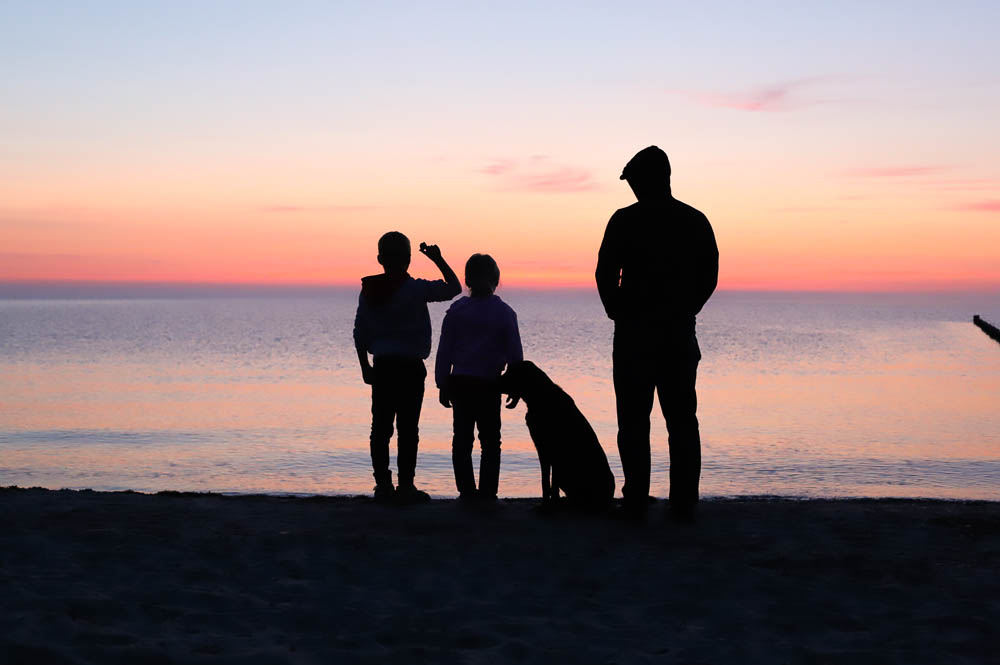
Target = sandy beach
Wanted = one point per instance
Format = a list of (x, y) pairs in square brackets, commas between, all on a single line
[(90, 577)]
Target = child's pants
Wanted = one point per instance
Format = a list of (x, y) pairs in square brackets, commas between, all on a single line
[(397, 394), (475, 402)]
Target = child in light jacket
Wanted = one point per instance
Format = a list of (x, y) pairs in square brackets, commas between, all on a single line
[(479, 337)]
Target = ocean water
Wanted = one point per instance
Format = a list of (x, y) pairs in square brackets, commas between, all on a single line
[(799, 395)]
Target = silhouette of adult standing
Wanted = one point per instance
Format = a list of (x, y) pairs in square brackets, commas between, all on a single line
[(657, 267)]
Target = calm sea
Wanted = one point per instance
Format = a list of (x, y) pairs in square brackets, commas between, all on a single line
[(801, 395)]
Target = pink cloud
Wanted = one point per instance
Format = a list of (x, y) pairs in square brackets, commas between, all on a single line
[(498, 167), (783, 96), (803, 208), (285, 208), (36, 224), (963, 185), (537, 175), (989, 205), (896, 171), (565, 179)]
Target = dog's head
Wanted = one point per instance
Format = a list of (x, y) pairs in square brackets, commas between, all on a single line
[(523, 380)]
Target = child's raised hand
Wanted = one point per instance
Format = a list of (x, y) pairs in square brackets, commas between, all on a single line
[(433, 252)]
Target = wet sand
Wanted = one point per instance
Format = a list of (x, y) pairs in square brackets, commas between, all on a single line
[(90, 577)]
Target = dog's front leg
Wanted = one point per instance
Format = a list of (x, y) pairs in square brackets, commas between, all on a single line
[(546, 471)]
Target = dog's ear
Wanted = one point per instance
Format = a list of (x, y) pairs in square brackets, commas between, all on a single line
[(530, 372), (533, 376)]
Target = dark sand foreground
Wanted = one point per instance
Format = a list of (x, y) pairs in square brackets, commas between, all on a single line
[(89, 577)]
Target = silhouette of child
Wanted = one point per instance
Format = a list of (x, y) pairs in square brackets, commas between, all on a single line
[(479, 337), (392, 324)]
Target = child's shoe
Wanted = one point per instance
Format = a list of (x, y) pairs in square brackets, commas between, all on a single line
[(407, 494), (384, 493)]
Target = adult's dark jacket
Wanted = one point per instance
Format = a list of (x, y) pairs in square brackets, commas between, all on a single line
[(658, 264)]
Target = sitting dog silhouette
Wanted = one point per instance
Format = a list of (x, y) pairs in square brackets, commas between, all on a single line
[(569, 452)]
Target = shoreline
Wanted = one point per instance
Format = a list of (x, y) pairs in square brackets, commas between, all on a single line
[(712, 498), (172, 577)]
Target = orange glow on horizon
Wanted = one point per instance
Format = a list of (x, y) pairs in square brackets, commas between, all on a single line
[(271, 231), (566, 283)]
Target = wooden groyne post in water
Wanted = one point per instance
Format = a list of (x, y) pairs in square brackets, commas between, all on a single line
[(987, 327)]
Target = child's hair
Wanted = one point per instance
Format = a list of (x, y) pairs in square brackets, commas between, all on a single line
[(394, 250), (482, 274), (393, 243)]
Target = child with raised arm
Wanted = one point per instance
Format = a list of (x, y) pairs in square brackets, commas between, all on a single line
[(479, 337), (394, 326)]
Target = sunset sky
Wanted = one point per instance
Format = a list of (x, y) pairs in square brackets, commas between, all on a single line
[(840, 145)]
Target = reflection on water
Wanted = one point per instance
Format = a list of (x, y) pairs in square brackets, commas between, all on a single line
[(799, 395)]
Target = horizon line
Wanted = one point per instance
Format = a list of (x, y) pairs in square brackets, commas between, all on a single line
[(48, 288)]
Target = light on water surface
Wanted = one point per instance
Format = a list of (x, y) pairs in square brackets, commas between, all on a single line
[(798, 395)]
